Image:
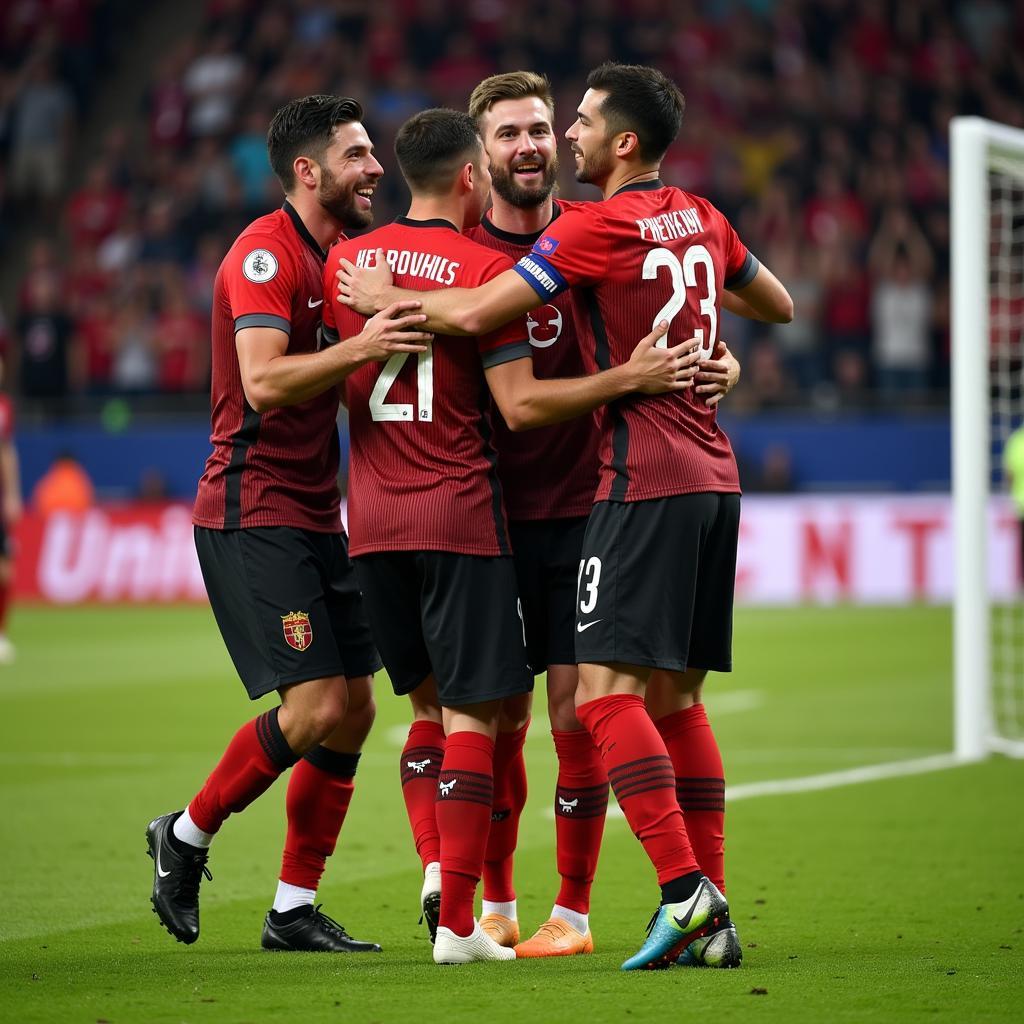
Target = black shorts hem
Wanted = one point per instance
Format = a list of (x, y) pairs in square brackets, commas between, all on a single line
[(665, 664), (511, 690)]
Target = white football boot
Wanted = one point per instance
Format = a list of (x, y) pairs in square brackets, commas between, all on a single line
[(450, 948)]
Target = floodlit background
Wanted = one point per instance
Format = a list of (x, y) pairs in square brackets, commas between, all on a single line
[(131, 154)]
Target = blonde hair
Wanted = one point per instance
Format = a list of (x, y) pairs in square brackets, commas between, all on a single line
[(513, 85)]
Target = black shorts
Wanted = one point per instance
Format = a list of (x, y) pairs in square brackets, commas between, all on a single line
[(456, 616), (547, 557), (656, 582), (287, 604)]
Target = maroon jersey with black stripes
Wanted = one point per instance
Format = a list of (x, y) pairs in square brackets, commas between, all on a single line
[(422, 472), (280, 467), (647, 254), (550, 472)]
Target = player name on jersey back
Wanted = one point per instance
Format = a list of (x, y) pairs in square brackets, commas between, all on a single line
[(425, 266)]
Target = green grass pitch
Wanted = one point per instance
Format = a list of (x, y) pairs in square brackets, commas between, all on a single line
[(897, 900)]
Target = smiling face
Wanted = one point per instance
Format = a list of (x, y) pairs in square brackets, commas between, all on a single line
[(349, 175), (521, 144), (589, 141)]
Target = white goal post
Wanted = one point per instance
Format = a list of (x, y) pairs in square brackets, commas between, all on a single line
[(987, 249)]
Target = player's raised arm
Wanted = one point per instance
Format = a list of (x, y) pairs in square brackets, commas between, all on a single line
[(764, 298), (527, 402), (271, 378), (463, 311)]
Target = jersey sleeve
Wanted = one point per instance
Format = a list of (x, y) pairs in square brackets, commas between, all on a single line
[(573, 251), (260, 282), (6, 419), (510, 341), (740, 263)]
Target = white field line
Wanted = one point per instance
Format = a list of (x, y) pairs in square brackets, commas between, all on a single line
[(828, 780)]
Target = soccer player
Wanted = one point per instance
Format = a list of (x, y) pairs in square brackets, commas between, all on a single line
[(429, 536), (10, 513), (656, 575), (549, 477), (268, 529)]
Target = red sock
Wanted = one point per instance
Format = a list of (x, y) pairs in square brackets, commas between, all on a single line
[(509, 800), (5, 598), (700, 785), (421, 765), (319, 793), (581, 804), (254, 759), (465, 792), (640, 772)]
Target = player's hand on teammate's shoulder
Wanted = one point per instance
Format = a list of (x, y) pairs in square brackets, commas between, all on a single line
[(659, 369), (364, 289), (717, 376), (391, 331)]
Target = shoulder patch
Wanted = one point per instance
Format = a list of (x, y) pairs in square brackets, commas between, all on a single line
[(260, 266), (545, 245)]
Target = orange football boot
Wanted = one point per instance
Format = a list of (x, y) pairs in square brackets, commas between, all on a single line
[(503, 930), (556, 938)]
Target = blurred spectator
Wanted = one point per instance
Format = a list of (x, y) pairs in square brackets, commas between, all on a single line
[(1013, 467), (44, 337), (182, 343), (901, 305), (251, 164), (64, 487), (153, 486), (135, 366), (213, 82), (95, 209), (40, 132)]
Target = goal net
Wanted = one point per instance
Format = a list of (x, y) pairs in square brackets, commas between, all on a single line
[(987, 198)]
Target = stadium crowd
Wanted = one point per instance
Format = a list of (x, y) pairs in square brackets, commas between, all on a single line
[(819, 127)]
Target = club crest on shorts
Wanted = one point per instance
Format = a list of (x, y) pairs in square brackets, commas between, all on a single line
[(298, 632)]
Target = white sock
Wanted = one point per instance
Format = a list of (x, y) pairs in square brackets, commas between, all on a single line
[(581, 922), (505, 909), (189, 832), (433, 870), (291, 896)]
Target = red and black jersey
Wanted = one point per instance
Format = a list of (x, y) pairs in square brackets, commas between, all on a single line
[(422, 471), (6, 429), (550, 472), (6, 418), (280, 467), (649, 253)]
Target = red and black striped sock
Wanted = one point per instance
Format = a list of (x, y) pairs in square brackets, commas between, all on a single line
[(641, 776), (319, 793), (465, 793), (420, 767), (700, 785), (254, 759), (509, 801), (581, 804)]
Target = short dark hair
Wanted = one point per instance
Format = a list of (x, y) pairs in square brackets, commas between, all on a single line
[(641, 100), (433, 144), (305, 127)]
